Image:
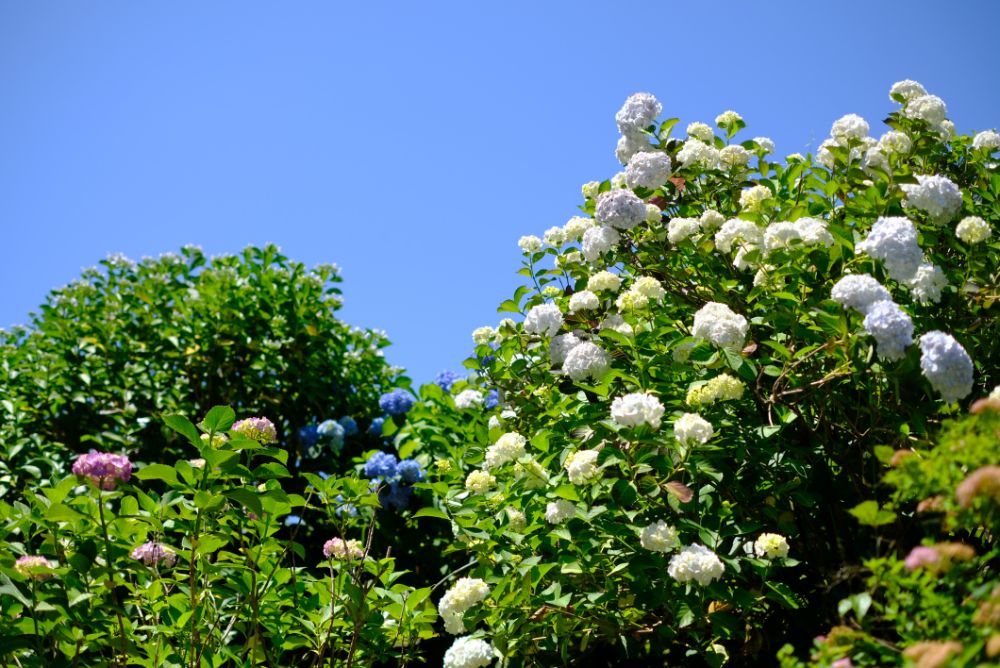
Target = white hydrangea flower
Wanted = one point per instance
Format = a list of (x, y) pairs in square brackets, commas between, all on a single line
[(618, 181), (987, 139), (620, 209), (753, 199), (554, 236), (559, 511), (696, 153), (795, 157), (534, 475), (629, 145), (936, 195), (874, 159), (468, 652), (604, 281), (483, 335), (599, 240), (468, 399), (947, 365), (648, 169), (928, 108), (617, 323), (700, 131), (895, 141), (495, 422), (720, 325), (653, 213), (697, 563), (813, 232), (638, 113), (766, 144), (906, 89), (586, 360), (649, 287), (560, 347), (893, 239), (691, 428), (590, 189), (682, 351), (679, 229), (720, 388), (637, 409), (739, 233), (582, 466), (659, 537), (465, 593), (727, 118), (771, 546), (995, 394), (543, 319), (516, 520), (733, 156), (569, 259), (927, 283), (780, 235), (585, 300), (576, 226), (847, 128), (859, 292), (711, 220), (891, 328), (508, 448), (973, 230), (480, 482), (824, 156), (530, 244), (946, 130)]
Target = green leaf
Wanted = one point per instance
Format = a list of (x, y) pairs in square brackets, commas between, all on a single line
[(183, 426), (567, 492), (157, 472), (219, 419), (869, 513), (246, 498), (59, 512), (784, 594), (431, 511)]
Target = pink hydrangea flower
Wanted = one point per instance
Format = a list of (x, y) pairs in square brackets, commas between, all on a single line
[(104, 469), (257, 428), (154, 553)]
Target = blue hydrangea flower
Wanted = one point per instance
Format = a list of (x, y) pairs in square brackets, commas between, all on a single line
[(492, 400), (410, 471), (396, 496), (332, 433), (381, 465), (345, 508), (309, 435), (397, 402), (446, 379), (349, 425), (292, 520), (489, 359), (375, 428)]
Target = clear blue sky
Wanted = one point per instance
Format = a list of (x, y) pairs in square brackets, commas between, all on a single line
[(411, 143)]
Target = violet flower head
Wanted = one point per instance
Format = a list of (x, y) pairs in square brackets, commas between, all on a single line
[(104, 469), (259, 429), (154, 553)]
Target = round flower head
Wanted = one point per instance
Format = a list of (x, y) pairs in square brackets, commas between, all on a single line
[(446, 379), (720, 388), (480, 336), (381, 465), (332, 432), (560, 347), (620, 209), (480, 482), (752, 199), (679, 229), (590, 189), (638, 113), (259, 429), (973, 230), (582, 466), (397, 402), (894, 141), (530, 244), (628, 146), (697, 563), (465, 593), (586, 360), (34, 567), (984, 481), (929, 108), (153, 553), (891, 328), (691, 428), (859, 292), (617, 323), (554, 236), (576, 226), (720, 325), (700, 131), (516, 520), (740, 234), (543, 319), (104, 469), (559, 511), (906, 89), (728, 118), (659, 537), (765, 144), (771, 546), (637, 409), (946, 365), (508, 448), (654, 214), (342, 550), (849, 127), (938, 196), (824, 155), (468, 652), (604, 281), (349, 424), (646, 169), (987, 139), (696, 153), (585, 300), (410, 470), (893, 239), (468, 399), (927, 283), (734, 156)]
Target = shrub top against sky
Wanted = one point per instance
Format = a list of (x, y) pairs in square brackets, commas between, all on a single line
[(411, 143)]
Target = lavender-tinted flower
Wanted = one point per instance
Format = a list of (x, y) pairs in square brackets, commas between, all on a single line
[(153, 553), (397, 402), (104, 469), (259, 429)]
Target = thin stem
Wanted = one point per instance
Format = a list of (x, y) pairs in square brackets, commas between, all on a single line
[(123, 659)]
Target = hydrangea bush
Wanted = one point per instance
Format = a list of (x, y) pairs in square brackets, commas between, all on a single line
[(697, 377)]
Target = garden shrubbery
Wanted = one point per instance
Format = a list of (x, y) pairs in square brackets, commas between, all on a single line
[(724, 424)]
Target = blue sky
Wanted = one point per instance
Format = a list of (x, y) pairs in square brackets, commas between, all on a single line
[(410, 143)]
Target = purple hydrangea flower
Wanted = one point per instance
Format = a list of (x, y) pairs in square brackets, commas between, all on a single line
[(154, 553), (34, 567), (397, 402), (104, 469), (259, 429)]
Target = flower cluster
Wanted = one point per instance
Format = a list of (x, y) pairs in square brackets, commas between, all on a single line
[(937, 196), (697, 563), (973, 230), (468, 399), (464, 594), (659, 537), (946, 365), (480, 482), (384, 468), (397, 402), (543, 319), (723, 387), (891, 328), (34, 567), (893, 240), (691, 428), (859, 292), (720, 325), (647, 169), (342, 550), (446, 379), (558, 511), (586, 360), (984, 481), (104, 469), (771, 546), (153, 553), (468, 652), (637, 409), (508, 448), (259, 429), (582, 466)]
